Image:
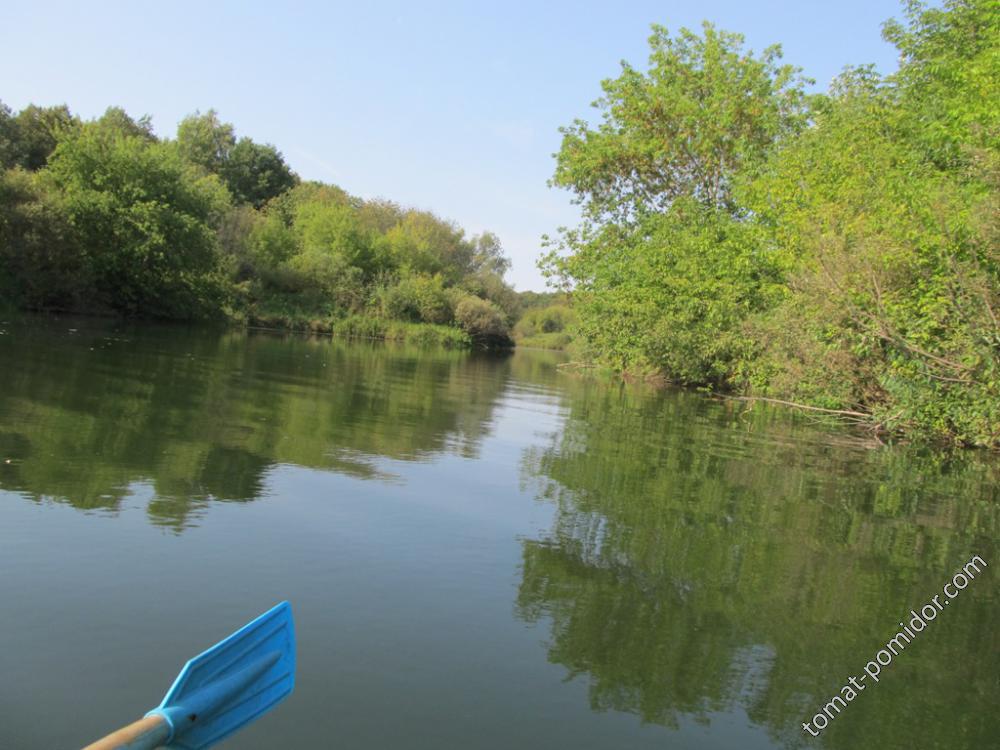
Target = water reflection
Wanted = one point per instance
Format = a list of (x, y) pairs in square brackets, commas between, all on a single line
[(90, 411), (707, 561), (711, 570)]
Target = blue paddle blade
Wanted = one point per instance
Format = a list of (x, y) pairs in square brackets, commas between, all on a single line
[(233, 683)]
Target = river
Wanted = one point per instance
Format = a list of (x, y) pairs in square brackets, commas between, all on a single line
[(482, 551)]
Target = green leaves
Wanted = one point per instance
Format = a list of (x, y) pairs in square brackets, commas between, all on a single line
[(254, 173), (143, 218), (851, 264), (666, 267), (705, 110)]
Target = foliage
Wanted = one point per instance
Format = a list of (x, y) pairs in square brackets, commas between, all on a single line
[(550, 327), (10, 146), (482, 320), (28, 138), (111, 218), (41, 265), (142, 218), (851, 264), (204, 140), (705, 109), (254, 173), (420, 243), (418, 299)]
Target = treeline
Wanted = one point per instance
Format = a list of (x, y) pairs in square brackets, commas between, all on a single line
[(105, 217), (837, 250)]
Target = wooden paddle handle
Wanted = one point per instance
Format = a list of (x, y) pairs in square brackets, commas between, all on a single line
[(145, 734)]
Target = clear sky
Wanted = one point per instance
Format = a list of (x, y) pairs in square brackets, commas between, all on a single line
[(448, 106)]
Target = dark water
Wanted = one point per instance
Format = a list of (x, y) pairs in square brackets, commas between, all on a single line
[(482, 552)]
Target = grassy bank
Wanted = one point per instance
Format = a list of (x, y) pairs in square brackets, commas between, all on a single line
[(370, 327), (366, 327), (557, 341)]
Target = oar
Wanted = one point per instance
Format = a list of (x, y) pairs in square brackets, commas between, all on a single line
[(220, 691)]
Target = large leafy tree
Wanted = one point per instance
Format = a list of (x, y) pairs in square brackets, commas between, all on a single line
[(255, 173), (205, 140), (662, 269), (143, 219), (705, 109), (10, 145), (888, 205), (39, 130), (41, 263), (949, 73)]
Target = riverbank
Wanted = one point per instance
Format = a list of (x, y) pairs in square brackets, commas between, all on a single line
[(363, 327)]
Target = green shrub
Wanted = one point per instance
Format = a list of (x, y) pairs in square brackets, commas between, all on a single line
[(482, 320), (558, 318), (418, 299)]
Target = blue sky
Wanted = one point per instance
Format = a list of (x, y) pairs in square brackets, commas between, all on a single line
[(448, 106)]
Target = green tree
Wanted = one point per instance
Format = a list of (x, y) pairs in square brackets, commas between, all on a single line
[(205, 140), (10, 140), (421, 243), (143, 219), (705, 110), (256, 173), (888, 206), (41, 262), (117, 121), (39, 130), (665, 267), (482, 320), (949, 69)]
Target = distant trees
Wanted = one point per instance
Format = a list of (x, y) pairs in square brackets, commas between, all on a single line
[(546, 326), (254, 173), (105, 216), (28, 138), (144, 220), (839, 250)]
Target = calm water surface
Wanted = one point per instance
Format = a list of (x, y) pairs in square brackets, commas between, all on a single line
[(482, 552)]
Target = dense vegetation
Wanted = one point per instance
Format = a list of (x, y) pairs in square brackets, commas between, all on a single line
[(545, 321), (103, 216), (836, 250)]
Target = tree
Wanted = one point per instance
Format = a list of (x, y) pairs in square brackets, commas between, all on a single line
[(488, 255), (39, 130), (117, 120), (42, 265), (256, 173), (421, 243), (665, 267), (10, 139), (949, 69), (483, 321), (143, 220), (705, 110), (887, 209), (205, 140)]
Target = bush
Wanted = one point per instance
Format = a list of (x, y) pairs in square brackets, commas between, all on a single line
[(552, 319), (482, 320), (419, 299), (145, 220), (41, 264)]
